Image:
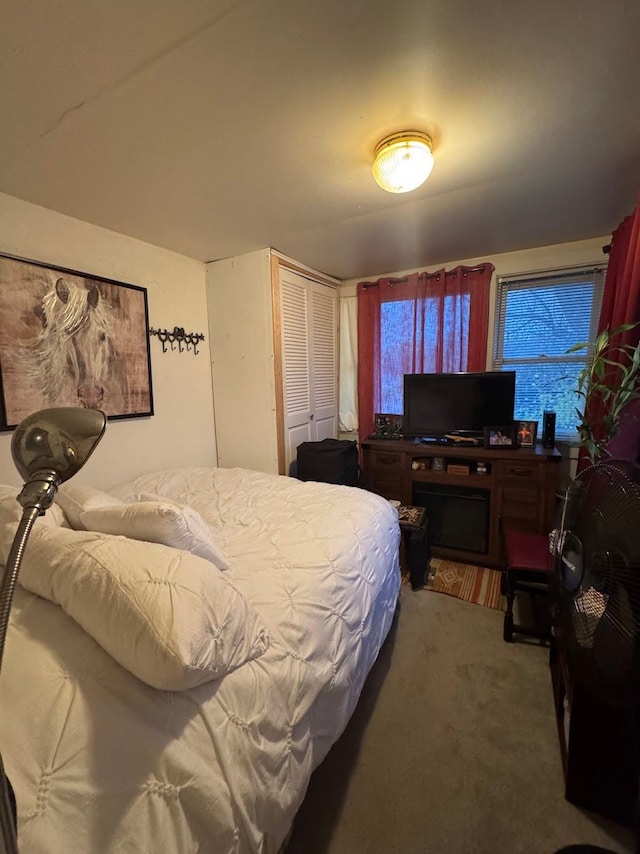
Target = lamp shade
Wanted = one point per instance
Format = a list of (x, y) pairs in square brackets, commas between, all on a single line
[(56, 440), (403, 161)]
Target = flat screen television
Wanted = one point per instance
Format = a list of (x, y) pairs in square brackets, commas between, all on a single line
[(463, 403)]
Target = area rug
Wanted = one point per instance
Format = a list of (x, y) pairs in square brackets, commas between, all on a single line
[(476, 584)]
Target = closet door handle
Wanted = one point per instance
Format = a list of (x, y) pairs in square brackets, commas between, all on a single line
[(311, 417)]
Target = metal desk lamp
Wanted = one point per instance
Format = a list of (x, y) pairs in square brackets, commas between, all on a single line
[(48, 447)]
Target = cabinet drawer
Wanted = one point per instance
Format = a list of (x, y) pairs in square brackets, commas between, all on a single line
[(520, 471), (522, 508), (382, 460), (390, 488), (516, 501)]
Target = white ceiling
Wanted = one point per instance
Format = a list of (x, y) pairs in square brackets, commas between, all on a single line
[(215, 127)]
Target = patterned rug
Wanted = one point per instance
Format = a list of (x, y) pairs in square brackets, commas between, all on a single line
[(476, 584)]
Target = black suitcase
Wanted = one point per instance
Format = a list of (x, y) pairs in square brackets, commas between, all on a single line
[(329, 461)]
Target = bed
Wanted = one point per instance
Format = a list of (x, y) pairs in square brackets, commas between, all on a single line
[(172, 688)]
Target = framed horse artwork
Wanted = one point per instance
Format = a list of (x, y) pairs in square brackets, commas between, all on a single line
[(71, 339)]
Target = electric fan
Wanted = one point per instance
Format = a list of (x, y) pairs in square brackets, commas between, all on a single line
[(599, 574), (597, 635)]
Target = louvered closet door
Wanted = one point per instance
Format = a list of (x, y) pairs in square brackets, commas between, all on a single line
[(296, 381), (308, 315), (323, 373)]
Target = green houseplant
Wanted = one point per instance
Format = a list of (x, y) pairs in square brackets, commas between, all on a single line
[(604, 387)]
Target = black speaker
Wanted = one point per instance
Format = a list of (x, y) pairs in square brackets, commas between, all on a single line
[(548, 429)]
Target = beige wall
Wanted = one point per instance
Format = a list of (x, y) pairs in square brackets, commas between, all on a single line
[(242, 351), (182, 430)]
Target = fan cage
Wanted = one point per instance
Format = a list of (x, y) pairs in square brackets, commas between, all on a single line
[(599, 572)]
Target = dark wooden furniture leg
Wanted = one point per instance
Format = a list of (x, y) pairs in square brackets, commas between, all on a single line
[(510, 591), (418, 555)]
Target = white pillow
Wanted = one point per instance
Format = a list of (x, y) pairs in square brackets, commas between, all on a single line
[(75, 499), (157, 522), (160, 613), (161, 521), (11, 510)]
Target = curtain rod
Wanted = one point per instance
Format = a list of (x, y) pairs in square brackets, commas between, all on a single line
[(392, 282), (597, 266)]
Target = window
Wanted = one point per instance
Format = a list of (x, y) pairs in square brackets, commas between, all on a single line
[(538, 317), (421, 323), (403, 321)]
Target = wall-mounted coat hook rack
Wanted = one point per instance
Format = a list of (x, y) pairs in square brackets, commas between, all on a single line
[(184, 340)]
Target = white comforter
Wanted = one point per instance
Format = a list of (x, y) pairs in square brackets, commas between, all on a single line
[(103, 763)]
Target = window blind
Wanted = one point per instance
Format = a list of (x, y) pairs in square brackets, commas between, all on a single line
[(539, 316)]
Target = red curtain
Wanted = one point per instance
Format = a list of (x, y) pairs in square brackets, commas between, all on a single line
[(423, 323), (621, 299), (621, 304)]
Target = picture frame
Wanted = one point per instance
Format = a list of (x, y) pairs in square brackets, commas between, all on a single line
[(388, 424), (69, 338), (500, 436), (527, 433)]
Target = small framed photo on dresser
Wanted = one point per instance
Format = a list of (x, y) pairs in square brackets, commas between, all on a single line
[(527, 433), (500, 436), (438, 464)]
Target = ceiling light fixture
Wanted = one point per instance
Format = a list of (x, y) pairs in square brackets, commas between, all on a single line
[(403, 161)]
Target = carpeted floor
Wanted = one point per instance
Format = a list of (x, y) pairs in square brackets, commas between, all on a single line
[(452, 749)]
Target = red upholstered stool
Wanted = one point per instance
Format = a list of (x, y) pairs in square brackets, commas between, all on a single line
[(529, 567)]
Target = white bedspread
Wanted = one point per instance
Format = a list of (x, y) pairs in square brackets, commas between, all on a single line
[(103, 763)]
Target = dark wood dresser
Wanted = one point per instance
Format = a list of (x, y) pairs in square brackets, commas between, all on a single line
[(472, 493)]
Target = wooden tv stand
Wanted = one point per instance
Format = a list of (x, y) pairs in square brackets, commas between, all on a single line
[(518, 490)]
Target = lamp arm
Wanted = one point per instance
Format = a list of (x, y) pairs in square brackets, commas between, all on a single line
[(36, 497), (8, 841), (29, 516), (48, 447), (9, 579)]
